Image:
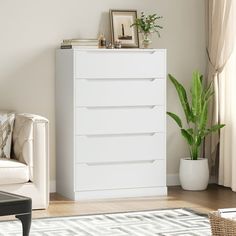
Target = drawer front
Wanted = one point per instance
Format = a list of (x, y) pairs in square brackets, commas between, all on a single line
[(112, 148), (118, 176), (119, 120), (119, 64), (119, 92)]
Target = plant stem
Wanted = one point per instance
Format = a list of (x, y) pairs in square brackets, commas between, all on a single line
[(194, 151)]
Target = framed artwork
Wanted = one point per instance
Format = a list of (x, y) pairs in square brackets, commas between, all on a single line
[(121, 20)]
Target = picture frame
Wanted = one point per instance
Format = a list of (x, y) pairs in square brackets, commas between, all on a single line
[(120, 21)]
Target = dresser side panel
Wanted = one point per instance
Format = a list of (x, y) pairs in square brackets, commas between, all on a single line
[(65, 123)]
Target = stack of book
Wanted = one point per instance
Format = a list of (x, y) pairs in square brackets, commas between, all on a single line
[(79, 43)]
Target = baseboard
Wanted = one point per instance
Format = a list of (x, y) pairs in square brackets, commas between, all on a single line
[(173, 179), (52, 186)]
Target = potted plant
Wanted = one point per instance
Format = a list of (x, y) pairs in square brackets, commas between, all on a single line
[(147, 25), (194, 171)]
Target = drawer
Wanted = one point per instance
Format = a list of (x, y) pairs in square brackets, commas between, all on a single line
[(125, 92), (113, 148), (120, 64), (120, 175), (119, 120)]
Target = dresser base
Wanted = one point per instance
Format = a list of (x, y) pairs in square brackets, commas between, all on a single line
[(120, 193)]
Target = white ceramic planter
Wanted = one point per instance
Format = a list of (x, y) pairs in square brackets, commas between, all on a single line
[(194, 174)]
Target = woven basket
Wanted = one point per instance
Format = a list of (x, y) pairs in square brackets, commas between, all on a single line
[(221, 226)]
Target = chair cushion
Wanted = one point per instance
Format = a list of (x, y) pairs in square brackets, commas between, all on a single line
[(6, 125), (13, 172), (30, 141), (23, 141)]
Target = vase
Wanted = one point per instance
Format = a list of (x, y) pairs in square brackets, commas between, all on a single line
[(146, 40), (194, 174)]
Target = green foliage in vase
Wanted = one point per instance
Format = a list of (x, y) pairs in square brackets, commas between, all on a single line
[(196, 112), (148, 24)]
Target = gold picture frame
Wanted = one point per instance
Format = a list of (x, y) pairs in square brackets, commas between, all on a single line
[(120, 21)]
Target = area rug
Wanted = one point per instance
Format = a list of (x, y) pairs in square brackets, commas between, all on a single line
[(166, 222)]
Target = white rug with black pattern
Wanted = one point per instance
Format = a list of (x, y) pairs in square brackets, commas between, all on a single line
[(166, 222)]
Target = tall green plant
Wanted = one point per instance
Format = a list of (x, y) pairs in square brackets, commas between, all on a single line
[(196, 112)]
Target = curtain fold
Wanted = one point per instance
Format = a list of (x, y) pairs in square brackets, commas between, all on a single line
[(227, 99), (220, 46)]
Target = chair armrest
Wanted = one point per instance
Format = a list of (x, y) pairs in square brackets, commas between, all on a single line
[(30, 145)]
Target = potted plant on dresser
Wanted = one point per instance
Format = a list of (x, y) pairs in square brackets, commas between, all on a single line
[(194, 171), (147, 25)]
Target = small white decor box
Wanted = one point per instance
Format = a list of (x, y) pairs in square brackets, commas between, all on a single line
[(229, 213)]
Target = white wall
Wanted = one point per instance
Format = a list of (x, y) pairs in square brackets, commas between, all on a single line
[(31, 30)]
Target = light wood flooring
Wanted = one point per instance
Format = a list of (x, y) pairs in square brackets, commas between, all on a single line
[(203, 201)]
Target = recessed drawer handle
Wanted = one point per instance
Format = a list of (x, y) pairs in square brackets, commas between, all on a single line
[(146, 51), (121, 107), (120, 163), (118, 79), (117, 135)]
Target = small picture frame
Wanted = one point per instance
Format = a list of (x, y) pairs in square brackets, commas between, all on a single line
[(121, 20)]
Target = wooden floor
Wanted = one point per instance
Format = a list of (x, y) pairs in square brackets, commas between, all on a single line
[(203, 201)]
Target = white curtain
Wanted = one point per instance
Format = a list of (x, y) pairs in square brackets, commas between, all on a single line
[(221, 41), (227, 99)]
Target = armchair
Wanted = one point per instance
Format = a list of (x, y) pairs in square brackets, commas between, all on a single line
[(26, 173)]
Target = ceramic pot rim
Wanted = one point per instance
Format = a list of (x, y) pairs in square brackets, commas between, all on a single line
[(189, 159)]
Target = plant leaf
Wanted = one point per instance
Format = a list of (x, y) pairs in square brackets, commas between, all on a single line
[(198, 140), (175, 118), (214, 128), (187, 136), (203, 116), (201, 78), (190, 131), (196, 95), (208, 92), (182, 97)]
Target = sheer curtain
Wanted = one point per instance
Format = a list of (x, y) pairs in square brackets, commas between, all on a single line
[(227, 98), (222, 63)]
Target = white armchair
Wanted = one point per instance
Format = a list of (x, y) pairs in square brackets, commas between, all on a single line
[(27, 172)]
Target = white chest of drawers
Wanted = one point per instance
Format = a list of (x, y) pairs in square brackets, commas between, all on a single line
[(110, 123)]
